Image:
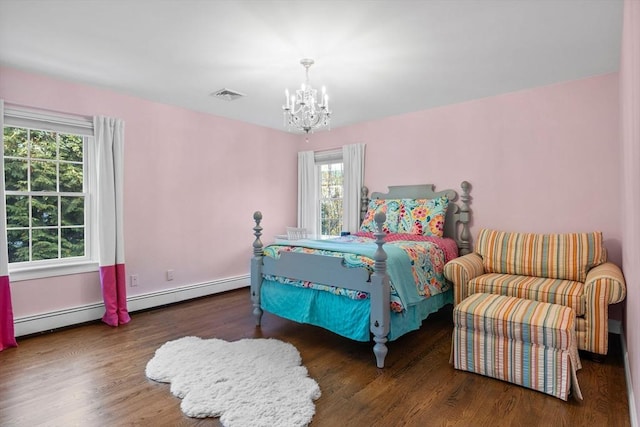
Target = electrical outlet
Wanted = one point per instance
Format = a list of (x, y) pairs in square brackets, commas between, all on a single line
[(134, 280), (169, 274)]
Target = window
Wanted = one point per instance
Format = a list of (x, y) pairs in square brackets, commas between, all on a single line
[(331, 195), (330, 189), (48, 194)]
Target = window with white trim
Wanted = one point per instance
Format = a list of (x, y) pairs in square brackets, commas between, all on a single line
[(49, 188)]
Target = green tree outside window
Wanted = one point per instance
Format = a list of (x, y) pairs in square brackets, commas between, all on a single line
[(44, 194), (331, 196)]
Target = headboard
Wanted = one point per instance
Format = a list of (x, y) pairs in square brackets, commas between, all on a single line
[(456, 223)]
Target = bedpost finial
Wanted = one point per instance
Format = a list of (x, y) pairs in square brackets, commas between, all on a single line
[(380, 218), (464, 244), (364, 202), (257, 231)]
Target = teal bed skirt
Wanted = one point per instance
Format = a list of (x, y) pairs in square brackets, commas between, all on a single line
[(342, 315)]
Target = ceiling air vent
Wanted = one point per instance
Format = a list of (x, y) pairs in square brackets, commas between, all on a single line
[(227, 94)]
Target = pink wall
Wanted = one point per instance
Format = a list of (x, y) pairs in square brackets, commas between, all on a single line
[(630, 172), (540, 160), (544, 159), (192, 184)]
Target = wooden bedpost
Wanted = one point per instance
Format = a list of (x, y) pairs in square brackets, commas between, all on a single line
[(364, 202), (379, 295), (256, 268), (465, 235)]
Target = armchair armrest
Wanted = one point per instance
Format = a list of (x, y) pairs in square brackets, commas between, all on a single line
[(460, 270), (608, 276)]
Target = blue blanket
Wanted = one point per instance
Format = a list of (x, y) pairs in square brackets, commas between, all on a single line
[(398, 263)]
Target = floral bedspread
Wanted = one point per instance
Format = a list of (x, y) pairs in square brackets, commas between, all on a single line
[(427, 259)]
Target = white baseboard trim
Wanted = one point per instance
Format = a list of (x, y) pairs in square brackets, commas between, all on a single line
[(633, 414), (42, 322)]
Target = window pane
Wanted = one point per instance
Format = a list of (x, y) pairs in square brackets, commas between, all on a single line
[(17, 211), (44, 211), (18, 245), (332, 180), (45, 244), (331, 211), (71, 177), (72, 210), (331, 194), (43, 144), (43, 176), (15, 142), (72, 243), (334, 191), (15, 175), (71, 148)]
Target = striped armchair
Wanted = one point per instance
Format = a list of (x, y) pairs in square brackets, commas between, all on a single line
[(566, 269)]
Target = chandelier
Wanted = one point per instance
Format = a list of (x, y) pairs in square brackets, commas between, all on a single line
[(303, 111)]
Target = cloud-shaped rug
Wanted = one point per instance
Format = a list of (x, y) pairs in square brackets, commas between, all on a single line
[(250, 382)]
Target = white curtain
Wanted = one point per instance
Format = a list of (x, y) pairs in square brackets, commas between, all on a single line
[(7, 334), (308, 192), (353, 161), (109, 139)]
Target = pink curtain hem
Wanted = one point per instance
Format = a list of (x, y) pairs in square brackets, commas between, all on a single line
[(7, 335), (114, 294)]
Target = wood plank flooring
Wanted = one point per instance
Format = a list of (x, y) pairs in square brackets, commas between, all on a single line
[(93, 375)]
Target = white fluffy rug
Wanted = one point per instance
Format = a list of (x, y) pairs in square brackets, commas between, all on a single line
[(251, 382)]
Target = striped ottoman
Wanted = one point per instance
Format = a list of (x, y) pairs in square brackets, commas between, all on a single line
[(521, 341)]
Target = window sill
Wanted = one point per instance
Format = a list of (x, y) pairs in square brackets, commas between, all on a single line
[(17, 275)]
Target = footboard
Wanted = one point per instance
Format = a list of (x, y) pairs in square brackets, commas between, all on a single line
[(330, 271)]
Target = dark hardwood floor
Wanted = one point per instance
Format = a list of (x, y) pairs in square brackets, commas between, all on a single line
[(93, 375)]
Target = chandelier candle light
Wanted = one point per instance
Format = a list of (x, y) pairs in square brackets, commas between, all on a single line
[(302, 110)]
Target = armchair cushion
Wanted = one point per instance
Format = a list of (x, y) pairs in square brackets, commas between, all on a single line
[(558, 256), (568, 293)]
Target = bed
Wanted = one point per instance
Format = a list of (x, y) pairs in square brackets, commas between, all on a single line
[(379, 283)]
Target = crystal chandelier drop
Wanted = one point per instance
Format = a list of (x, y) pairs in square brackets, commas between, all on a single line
[(302, 110)]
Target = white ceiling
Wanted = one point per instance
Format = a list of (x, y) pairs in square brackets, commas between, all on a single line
[(376, 58)]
